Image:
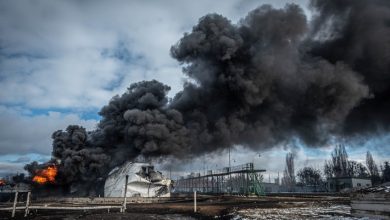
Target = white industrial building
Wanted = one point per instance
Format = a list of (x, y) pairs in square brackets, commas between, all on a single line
[(143, 181), (343, 183)]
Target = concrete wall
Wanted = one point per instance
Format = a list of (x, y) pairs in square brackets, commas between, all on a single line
[(339, 184), (275, 188), (361, 182), (271, 187)]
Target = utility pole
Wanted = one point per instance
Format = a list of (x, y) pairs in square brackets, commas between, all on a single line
[(194, 200), (15, 202), (230, 174), (229, 159), (204, 165), (124, 206)]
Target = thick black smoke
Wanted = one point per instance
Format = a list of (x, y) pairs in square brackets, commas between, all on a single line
[(140, 122), (265, 81), (357, 32), (81, 164), (255, 87)]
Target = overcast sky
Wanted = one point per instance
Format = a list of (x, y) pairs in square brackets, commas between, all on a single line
[(61, 61)]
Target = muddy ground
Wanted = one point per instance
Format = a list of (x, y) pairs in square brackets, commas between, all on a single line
[(209, 207)]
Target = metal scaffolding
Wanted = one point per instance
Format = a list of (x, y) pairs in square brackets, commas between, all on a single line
[(240, 180)]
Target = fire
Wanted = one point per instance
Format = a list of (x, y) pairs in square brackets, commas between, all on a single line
[(2, 182), (47, 175)]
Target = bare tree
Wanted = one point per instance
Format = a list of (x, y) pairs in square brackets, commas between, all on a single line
[(309, 176), (356, 169), (340, 161), (328, 169), (385, 172), (372, 169), (289, 172), (338, 165)]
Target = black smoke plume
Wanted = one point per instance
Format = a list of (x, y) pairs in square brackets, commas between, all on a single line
[(269, 79), (357, 32)]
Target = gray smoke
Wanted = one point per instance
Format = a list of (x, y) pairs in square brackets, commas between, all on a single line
[(256, 87), (357, 32), (265, 81), (140, 122)]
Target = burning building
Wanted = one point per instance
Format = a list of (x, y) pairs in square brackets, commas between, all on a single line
[(143, 181), (46, 175)]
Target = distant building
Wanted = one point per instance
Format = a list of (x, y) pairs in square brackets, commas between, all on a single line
[(341, 183), (271, 187)]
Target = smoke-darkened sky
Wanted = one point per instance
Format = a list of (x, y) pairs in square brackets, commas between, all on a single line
[(61, 62)]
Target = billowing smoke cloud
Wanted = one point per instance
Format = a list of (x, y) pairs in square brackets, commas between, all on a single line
[(81, 164), (141, 122), (357, 32), (265, 81), (254, 86)]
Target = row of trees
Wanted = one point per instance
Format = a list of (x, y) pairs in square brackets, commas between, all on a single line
[(338, 166)]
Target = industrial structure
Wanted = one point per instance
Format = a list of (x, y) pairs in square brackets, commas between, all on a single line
[(338, 184), (239, 180), (140, 180)]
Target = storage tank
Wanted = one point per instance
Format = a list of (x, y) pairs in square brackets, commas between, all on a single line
[(143, 181)]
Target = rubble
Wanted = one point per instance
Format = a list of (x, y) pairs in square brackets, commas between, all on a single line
[(372, 202)]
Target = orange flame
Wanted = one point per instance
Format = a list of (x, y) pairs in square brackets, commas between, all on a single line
[(46, 175), (2, 182)]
